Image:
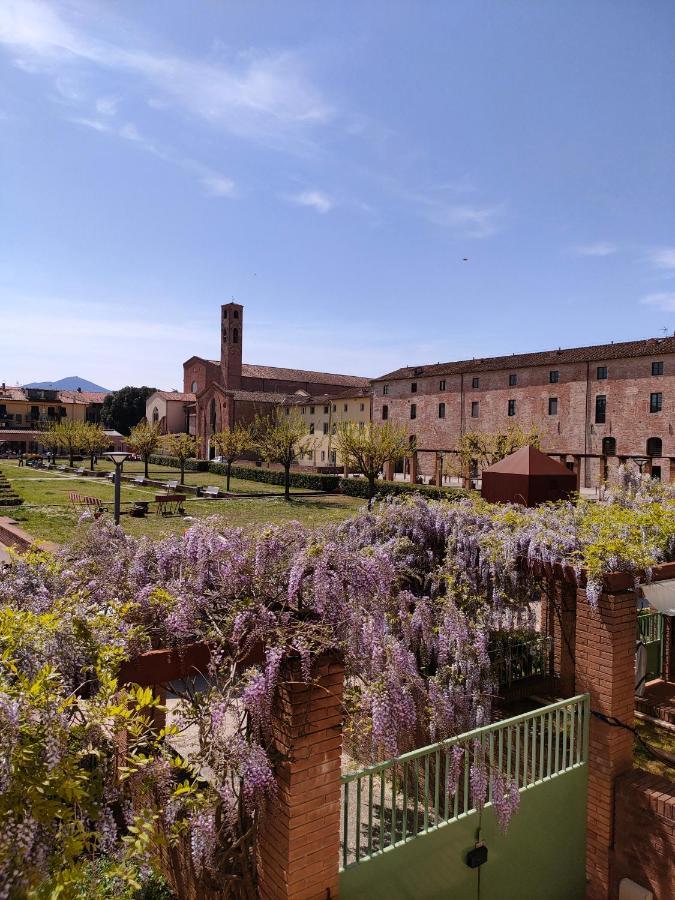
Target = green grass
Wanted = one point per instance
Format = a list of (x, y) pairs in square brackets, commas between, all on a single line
[(201, 479), (48, 515)]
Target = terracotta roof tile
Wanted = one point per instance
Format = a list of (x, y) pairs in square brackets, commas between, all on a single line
[(174, 395), (280, 374), (594, 353)]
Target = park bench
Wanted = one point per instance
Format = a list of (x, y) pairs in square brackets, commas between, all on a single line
[(62, 468), (211, 491), (171, 486), (170, 504), (80, 471), (139, 479), (110, 476), (139, 509), (81, 500)]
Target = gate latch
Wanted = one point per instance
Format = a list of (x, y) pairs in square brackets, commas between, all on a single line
[(477, 856)]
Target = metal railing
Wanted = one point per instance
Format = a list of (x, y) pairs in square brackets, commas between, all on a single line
[(391, 803), (649, 626), (515, 660)]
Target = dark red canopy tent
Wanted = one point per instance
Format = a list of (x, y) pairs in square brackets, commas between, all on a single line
[(529, 477)]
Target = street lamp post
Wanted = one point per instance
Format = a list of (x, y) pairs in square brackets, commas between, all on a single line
[(118, 458)]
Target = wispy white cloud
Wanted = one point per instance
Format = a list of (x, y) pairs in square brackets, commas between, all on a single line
[(599, 248), (662, 257), (214, 183), (259, 96), (317, 200), (663, 300), (463, 219), (107, 106)]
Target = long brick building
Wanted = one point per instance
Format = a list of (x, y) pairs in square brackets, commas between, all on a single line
[(589, 403), (219, 393)]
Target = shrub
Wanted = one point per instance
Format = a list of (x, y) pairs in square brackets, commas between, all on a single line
[(191, 465), (358, 487), (309, 480)]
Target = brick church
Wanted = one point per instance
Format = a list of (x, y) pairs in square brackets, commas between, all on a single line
[(220, 393)]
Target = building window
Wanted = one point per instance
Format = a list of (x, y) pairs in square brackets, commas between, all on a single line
[(325, 427), (334, 428), (311, 410), (287, 411), (385, 389), (609, 446), (475, 382), (224, 313), (553, 406), (441, 410), (441, 384), (553, 376), (346, 407), (655, 403), (325, 410), (413, 387), (413, 410), (235, 335), (600, 409), (657, 368), (302, 411), (235, 314), (323, 456), (654, 447), (311, 427), (513, 379), (385, 411), (193, 387), (601, 373), (155, 414), (361, 426), (512, 408), (363, 407), (474, 409)]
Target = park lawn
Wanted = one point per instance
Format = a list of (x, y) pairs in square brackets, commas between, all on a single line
[(48, 514), (202, 479)]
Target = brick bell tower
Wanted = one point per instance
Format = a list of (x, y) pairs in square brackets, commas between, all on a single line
[(231, 333)]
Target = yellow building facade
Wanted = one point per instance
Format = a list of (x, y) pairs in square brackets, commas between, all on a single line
[(323, 416), (26, 412)]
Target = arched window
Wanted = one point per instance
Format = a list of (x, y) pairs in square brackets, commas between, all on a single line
[(224, 335), (213, 414), (155, 414), (609, 446), (193, 387), (235, 335), (654, 447)]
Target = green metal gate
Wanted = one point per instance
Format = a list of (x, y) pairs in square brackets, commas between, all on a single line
[(650, 631), (409, 823)]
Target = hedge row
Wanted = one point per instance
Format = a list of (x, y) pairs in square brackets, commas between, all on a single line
[(307, 480), (353, 487), (358, 487)]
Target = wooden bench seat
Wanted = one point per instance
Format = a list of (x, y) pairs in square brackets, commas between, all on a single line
[(212, 491), (170, 504), (79, 500)]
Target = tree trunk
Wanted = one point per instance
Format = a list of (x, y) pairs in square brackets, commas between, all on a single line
[(182, 471), (146, 459), (229, 471), (371, 491), (287, 482), (71, 453), (91, 462)]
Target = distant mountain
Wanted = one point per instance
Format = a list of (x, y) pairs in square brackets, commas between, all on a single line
[(68, 384)]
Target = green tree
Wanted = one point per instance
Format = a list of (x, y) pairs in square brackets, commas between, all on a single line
[(282, 438), (183, 447), (67, 434), (232, 444), (125, 408), (369, 448), (487, 448), (94, 441), (145, 439)]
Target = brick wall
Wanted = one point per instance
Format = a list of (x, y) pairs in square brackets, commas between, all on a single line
[(299, 841), (572, 429), (645, 833)]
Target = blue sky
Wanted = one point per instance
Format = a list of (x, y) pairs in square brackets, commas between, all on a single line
[(331, 166)]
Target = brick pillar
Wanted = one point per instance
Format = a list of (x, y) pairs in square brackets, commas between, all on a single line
[(299, 840), (577, 470), (605, 667), (413, 468), (389, 470), (438, 471)]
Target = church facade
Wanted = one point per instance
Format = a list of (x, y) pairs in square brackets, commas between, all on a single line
[(217, 394)]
